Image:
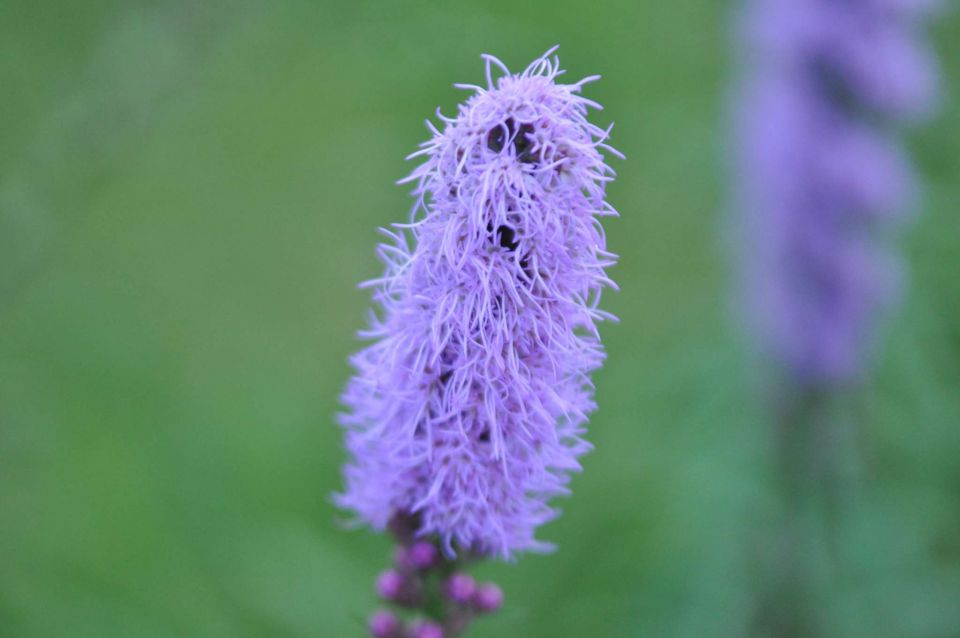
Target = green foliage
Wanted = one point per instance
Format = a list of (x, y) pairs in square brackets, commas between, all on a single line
[(188, 197)]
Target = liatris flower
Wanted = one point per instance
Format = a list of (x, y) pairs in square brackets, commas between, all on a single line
[(468, 410), (822, 173), (822, 180), (466, 415)]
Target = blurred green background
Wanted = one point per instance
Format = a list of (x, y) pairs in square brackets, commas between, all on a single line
[(188, 196)]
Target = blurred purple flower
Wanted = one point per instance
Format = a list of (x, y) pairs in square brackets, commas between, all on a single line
[(468, 409), (822, 173)]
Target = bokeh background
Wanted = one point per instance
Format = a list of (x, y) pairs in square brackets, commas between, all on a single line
[(189, 193)]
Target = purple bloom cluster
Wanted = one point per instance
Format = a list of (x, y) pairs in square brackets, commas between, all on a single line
[(468, 409), (822, 174)]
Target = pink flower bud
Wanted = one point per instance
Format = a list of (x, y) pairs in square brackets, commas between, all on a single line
[(422, 555), (383, 624), (390, 585), (487, 598), (460, 588), (427, 629)]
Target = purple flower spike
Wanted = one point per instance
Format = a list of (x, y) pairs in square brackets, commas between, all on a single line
[(460, 588), (822, 172), (467, 412), (384, 624), (488, 598)]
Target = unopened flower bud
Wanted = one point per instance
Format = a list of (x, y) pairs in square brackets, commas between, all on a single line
[(422, 555), (390, 585), (383, 624), (487, 598), (460, 588), (427, 629)]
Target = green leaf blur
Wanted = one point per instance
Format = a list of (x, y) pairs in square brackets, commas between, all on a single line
[(189, 193)]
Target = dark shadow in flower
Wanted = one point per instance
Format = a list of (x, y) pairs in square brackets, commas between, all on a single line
[(499, 135)]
